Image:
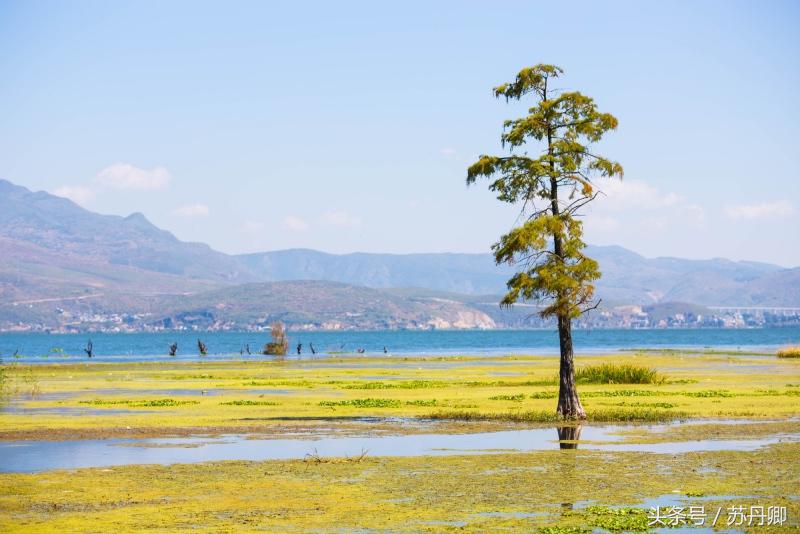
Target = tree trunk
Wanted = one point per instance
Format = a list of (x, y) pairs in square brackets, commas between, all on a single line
[(569, 405)]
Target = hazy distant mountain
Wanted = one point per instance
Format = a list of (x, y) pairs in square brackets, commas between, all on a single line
[(627, 277), (458, 273), (315, 304), (53, 248), (62, 263)]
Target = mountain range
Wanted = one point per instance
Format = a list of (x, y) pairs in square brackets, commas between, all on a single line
[(61, 262)]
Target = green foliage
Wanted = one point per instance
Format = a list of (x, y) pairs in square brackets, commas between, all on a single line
[(544, 395), (604, 415), (421, 402), (619, 519), (364, 403), (710, 393), (548, 244), (516, 398), (607, 373)]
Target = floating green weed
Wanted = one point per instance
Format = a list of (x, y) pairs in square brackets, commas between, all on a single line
[(619, 519), (364, 403), (620, 414), (544, 395), (516, 398), (431, 402), (665, 405), (709, 393)]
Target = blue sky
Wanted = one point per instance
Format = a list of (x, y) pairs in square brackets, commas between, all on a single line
[(348, 126)]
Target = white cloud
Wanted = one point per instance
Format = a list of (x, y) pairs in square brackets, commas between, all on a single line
[(764, 210), (295, 224), (76, 193), (625, 194), (447, 151), (127, 176), (191, 210), (341, 219)]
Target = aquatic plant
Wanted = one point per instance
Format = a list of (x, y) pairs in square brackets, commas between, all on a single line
[(789, 352), (626, 393), (364, 403), (431, 402), (248, 402), (516, 398), (709, 393), (604, 415), (607, 373), (619, 519)]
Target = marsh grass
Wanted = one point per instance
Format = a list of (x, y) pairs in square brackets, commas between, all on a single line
[(607, 373), (364, 403), (789, 352), (155, 403)]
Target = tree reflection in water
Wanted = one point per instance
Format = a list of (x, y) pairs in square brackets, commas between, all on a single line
[(569, 434)]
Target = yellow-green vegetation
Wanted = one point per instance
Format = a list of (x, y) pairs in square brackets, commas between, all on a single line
[(609, 373), (169, 398), (789, 352), (553, 491)]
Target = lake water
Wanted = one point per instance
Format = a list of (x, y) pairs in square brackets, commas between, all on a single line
[(150, 346), (31, 456)]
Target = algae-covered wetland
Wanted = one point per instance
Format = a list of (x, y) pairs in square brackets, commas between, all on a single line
[(442, 443)]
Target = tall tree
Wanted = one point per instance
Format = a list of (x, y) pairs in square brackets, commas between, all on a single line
[(551, 183)]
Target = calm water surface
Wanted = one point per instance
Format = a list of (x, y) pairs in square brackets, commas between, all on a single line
[(153, 346)]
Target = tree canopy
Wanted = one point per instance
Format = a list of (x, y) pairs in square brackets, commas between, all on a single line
[(551, 171)]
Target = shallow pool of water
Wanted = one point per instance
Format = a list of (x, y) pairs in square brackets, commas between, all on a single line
[(30, 456)]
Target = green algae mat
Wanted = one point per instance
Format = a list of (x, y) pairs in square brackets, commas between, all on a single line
[(736, 397)]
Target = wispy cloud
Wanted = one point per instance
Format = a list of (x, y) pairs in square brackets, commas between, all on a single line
[(77, 193), (625, 194), (447, 151), (342, 219), (294, 224), (764, 210), (127, 176), (191, 210)]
